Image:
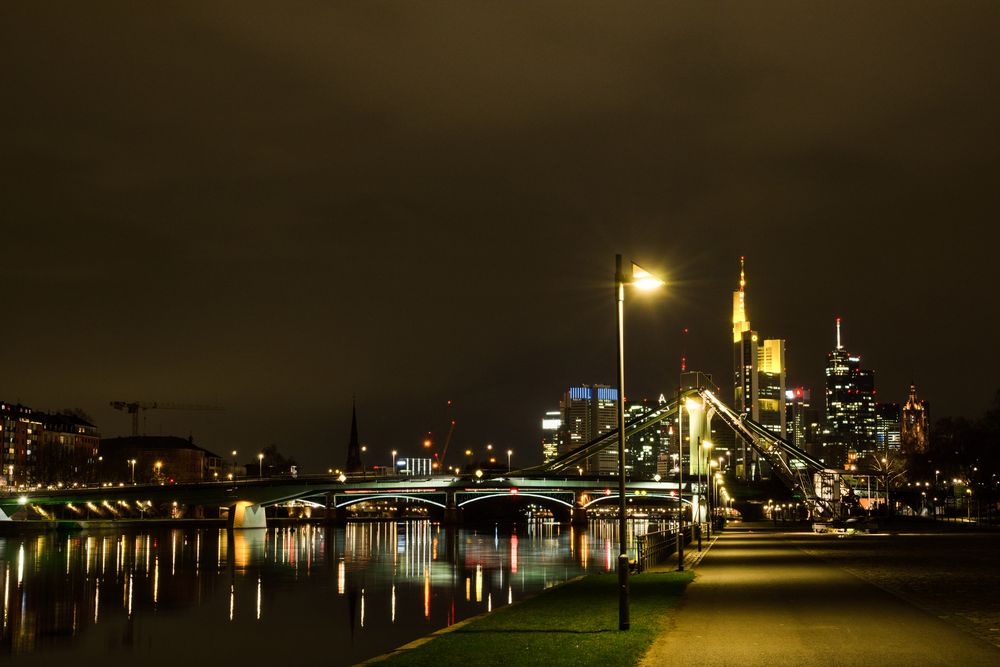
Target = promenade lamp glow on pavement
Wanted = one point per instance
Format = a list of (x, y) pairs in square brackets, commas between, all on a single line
[(642, 279)]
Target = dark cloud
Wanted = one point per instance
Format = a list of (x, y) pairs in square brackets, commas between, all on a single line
[(274, 207)]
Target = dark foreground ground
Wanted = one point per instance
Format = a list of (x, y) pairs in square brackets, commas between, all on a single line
[(779, 597)]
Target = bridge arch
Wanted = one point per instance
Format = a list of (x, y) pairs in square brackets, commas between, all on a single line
[(614, 496), (508, 494), (354, 500)]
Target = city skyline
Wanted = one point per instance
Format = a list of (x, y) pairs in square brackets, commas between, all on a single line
[(424, 204)]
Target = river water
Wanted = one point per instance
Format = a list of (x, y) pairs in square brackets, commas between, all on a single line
[(291, 594)]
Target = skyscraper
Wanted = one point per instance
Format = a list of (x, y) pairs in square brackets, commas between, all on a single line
[(643, 449), (850, 407), (551, 427), (887, 427), (758, 379), (802, 421), (588, 411)]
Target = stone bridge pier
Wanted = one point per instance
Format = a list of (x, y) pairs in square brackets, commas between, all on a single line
[(579, 511), (452, 512), (245, 514)]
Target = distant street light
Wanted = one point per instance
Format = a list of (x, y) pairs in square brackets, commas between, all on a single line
[(158, 467), (509, 452), (394, 462), (132, 463), (260, 466), (234, 465), (642, 279)]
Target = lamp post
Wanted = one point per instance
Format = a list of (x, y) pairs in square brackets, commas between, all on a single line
[(707, 446), (643, 280), (158, 466), (234, 464), (680, 482), (394, 462), (509, 452), (132, 463), (260, 466)]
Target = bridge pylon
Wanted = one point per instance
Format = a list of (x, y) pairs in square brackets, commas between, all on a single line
[(452, 512)]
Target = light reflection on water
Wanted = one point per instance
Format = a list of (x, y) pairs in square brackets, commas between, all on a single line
[(291, 593)]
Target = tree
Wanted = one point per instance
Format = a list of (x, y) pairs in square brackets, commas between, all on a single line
[(889, 470), (274, 462)]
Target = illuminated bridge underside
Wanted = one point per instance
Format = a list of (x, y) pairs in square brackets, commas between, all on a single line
[(435, 491)]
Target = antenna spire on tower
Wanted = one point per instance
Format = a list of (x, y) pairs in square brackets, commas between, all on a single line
[(839, 346)]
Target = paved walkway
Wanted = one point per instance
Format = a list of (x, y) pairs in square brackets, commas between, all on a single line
[(759, 600)]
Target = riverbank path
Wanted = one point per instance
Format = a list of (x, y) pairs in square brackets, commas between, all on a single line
[(760, 599)]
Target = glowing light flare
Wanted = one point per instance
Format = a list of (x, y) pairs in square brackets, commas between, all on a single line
[(6, 595), (258, 597), (643, 279), (513, 554), (427, 594), (479, 583)]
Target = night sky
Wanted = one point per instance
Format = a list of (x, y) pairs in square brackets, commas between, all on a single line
[(272, 207)]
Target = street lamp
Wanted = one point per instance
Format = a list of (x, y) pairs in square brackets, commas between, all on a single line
[(132, 463), (394, 462), (707, 446), (158, 466), (260, 466), (509, 452), (234, 464), (642, 279)]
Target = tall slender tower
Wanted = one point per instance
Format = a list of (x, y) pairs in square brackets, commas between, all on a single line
[(758, 379), (354, 447)]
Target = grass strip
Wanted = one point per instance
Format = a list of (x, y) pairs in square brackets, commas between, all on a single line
[(569, 625)]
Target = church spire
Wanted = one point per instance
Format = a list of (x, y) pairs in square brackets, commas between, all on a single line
[(353, 446)]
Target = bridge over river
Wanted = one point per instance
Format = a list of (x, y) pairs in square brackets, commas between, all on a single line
[(246, 499), (552, 483)]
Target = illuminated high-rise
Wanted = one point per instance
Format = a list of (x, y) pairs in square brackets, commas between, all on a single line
[(551, 428), (758, 379), (587, 412), (850, 407), (802, 421), (887, 427)]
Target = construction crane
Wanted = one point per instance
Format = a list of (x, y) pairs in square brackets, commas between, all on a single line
[(135, 407)]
